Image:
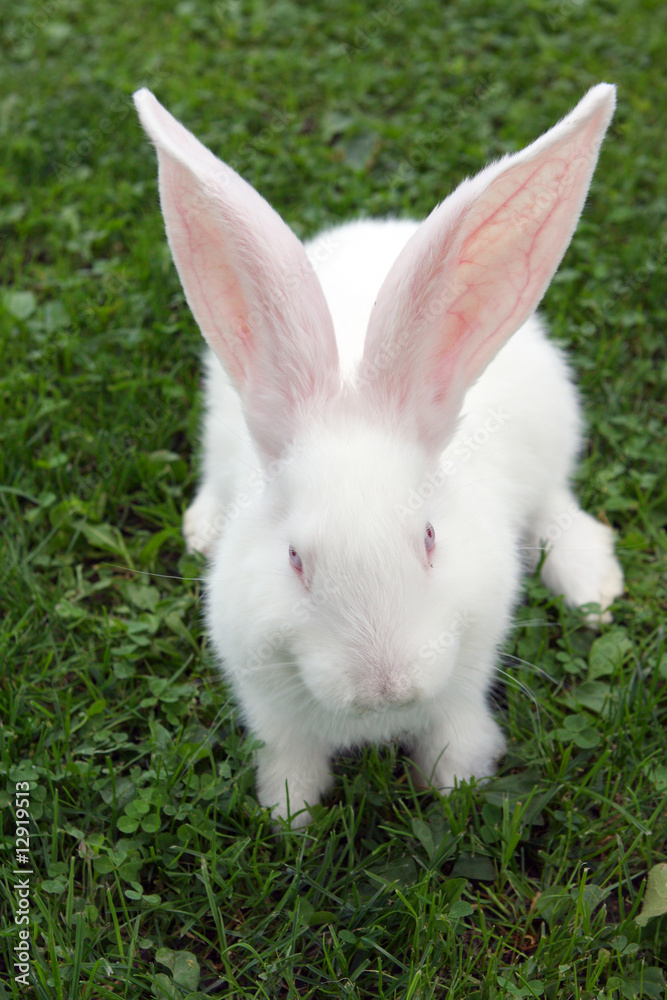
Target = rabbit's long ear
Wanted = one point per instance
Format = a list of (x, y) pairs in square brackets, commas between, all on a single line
[(247, 279), (477, 268)]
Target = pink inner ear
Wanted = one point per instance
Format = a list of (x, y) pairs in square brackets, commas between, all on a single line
[(207, 269), (477, 268), (247, 280), (516, 236)]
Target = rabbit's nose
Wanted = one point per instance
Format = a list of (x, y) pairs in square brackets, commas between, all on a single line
[(391, 689)]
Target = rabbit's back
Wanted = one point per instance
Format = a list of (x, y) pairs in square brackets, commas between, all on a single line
[(351, 262)]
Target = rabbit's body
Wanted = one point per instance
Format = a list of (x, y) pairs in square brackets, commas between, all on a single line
[(406, 394)]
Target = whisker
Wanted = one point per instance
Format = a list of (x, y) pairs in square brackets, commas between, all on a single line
[(533, 623), (545, 675), (519, 685), (158, 576)]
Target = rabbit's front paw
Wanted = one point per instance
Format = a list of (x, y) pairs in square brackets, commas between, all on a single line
[(203, 522), (581, 565), (458, 752), (290, 779)]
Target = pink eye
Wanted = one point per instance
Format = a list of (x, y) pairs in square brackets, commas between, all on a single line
[(429, 536), (295, 559)]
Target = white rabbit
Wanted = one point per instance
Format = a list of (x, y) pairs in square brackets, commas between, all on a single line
[(381, 460)]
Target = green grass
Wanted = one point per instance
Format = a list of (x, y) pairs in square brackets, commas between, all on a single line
[(155, 872)]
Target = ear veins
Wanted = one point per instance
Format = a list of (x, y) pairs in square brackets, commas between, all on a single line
[(558, 192)]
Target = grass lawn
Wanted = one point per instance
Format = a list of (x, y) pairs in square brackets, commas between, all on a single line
[(152, 870)]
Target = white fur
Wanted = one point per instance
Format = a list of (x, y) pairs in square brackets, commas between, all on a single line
[(433, 417)]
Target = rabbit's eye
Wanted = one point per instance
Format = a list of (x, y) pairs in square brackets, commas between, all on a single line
[(295, 559), (429, 536)]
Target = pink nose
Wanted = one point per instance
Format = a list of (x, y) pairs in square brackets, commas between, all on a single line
[(386, 692)]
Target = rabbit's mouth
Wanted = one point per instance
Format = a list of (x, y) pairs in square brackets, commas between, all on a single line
[(386, 699)]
